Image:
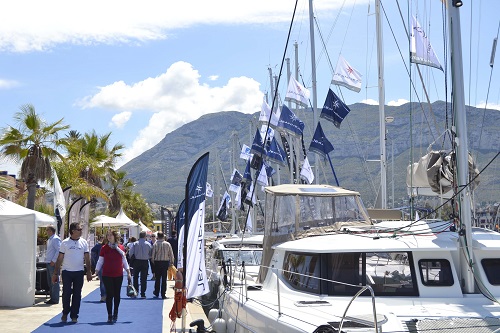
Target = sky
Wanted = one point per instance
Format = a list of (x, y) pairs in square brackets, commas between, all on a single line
[(141, 69)]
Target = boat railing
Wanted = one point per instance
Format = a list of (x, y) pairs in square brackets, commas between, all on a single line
[(376, 320)]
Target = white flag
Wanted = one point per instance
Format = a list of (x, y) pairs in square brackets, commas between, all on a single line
[(262, 179), (249, 225), (59, 201), (346, 76), (209, 192), (251, 194), (245, 153), (264, 114), (270, 133), (237, 198), (421, 48), (306, 172), (297, 93)]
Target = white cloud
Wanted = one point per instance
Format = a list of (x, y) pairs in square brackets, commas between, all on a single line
[(119, 120), (176, 97), (369, 101), (213, 77), (7, 84), (491, 106), (399, 102), (47, 24)]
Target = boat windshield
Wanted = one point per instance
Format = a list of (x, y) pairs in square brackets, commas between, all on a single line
[(250, 257)]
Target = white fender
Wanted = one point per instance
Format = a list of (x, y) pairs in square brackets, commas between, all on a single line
[(219, 325), (212, 315)]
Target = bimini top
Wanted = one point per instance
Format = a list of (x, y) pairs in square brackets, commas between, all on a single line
[(309, 190)]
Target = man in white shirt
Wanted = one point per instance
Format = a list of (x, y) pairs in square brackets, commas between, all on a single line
[(53, 246), (73, 252)]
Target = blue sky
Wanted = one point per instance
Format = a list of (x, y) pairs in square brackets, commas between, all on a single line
[(141, 69)]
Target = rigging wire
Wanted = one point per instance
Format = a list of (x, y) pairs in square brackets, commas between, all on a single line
[(492, 61)]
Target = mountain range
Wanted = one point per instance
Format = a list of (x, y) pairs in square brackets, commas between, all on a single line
[(160, 173)]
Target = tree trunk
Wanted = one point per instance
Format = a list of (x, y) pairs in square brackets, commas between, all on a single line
[(31, 186)]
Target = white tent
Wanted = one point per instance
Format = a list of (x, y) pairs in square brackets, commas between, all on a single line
[(145, 228), (18, 232), (121, 220)]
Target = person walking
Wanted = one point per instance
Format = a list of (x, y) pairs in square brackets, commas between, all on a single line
[(74, 251), (112, 262), (53, 246), (141, 251), (94, 258), (162, 256), (152, 241), (174, 244)]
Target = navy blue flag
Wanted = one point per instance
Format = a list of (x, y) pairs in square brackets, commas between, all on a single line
[(179, 218), (290, 122), (276, 153), (269, 169), (222, 213), (247, 175), (194, 249), (257, 145), (334, 109), (319, 143)]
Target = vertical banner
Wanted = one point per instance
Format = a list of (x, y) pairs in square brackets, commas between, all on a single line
[(195, 276), (179, 225)]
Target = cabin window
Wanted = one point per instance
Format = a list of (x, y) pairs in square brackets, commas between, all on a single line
[(435, 272), (491, 267), (301, 271), (339, 274)]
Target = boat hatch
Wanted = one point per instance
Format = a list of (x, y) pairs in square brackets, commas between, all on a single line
[(312, 303), (455, 325)]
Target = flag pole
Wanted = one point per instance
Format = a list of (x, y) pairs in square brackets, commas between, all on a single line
[(333, 170)]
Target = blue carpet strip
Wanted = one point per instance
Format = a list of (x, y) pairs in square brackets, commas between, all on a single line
[(135, 315)]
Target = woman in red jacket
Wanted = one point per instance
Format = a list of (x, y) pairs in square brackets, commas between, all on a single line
[(112, 261)]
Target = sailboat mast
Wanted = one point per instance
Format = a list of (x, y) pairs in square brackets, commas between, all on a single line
[(462, 150), (381, 108), (314, 93)]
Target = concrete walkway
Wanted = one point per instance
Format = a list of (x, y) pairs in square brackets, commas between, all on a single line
[(22, 320)]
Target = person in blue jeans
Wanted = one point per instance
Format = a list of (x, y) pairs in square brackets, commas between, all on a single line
[(94, 257), (53, 245), (73, 253)]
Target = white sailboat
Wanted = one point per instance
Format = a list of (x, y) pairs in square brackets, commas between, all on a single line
[(326, 268)]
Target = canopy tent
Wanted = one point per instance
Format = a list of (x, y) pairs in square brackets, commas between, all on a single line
[(145, 228), (121, 220), (18, 233)]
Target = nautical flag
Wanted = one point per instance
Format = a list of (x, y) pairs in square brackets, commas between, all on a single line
[(297, 93), (222, 212), (245, 153), (210, 192), (290, 122), (265, 112), (334, 109), (249, 224), (251, 198), (346, 76), (262, 177), (179, 225), (84, 220), (257, 145), (421, 49), (276, 153), (235, 181), (247, 175), (269, 136), (306, 171), (319, 143), (269, 169), (237, 198), (195, 274)]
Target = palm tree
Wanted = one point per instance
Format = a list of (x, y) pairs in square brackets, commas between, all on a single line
[(120, 187), (35, 143)]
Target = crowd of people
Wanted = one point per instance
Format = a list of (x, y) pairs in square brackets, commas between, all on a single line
[(67, 262)]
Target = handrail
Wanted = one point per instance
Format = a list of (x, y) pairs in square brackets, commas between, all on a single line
[(362, 290)]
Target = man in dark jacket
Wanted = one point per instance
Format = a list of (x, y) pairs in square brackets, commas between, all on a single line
[(173, 243)]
